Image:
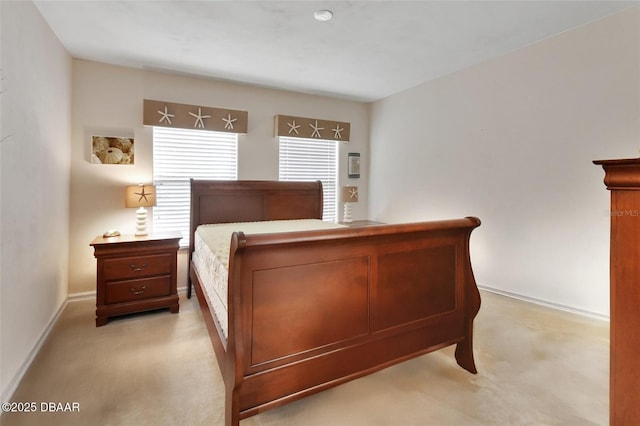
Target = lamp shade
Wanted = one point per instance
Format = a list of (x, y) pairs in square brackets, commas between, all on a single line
[(141, 196), (350, 194)]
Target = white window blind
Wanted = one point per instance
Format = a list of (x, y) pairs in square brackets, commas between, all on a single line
[(310, 160), (181, 154)]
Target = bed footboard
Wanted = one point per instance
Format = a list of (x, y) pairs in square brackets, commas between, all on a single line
[(311, 310)]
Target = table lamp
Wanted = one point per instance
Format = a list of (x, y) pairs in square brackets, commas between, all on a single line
[(141, 196), (349, 196)]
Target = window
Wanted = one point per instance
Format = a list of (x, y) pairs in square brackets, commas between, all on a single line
[(312, 159), (181, 154)]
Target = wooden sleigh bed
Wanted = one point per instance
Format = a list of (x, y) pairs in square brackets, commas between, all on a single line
[(310, 310)]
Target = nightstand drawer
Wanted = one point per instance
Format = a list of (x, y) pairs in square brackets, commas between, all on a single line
[(137, 266), (132, 290)]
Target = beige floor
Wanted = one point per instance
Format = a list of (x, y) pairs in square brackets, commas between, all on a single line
[(537, 366)]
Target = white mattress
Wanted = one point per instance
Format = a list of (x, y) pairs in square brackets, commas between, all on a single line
[(211, 256)]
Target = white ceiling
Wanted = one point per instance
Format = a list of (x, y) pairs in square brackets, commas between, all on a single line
[(370, 50)]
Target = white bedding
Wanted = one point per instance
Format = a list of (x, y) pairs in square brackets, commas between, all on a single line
[(211, 255)]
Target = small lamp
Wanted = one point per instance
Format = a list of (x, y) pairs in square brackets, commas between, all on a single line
[(349, 195), (141, 196)]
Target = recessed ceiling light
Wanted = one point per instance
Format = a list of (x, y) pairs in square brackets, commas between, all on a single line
[(323, 15)]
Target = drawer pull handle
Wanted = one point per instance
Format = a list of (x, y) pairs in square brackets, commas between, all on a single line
[(136, 292), (137, 268)]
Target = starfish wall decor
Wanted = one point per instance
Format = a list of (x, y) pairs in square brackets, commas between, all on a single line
[(228, 122), (184, 116), (199, 118), (311, 128), (337, 132), (165, 115), (316, 130), (293, 127)]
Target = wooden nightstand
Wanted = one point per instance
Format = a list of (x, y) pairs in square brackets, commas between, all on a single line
[(135, 274)]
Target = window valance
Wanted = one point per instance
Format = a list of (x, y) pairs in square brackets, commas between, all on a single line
[(183, 116), (311, 128)]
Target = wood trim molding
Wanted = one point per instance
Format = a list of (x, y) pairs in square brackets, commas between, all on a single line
[(183, 116), (621, 174), (311, 128)]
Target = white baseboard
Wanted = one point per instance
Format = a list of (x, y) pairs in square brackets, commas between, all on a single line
[(545, 303), (7, 393), (85, 295)]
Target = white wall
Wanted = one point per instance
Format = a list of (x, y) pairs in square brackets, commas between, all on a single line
[(511, 141), (36, 113), (108, 100)]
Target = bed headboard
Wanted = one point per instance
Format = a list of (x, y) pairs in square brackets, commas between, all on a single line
[(221, 201)]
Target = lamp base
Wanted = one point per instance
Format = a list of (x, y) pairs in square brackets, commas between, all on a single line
[(141, 222), (346, 217)]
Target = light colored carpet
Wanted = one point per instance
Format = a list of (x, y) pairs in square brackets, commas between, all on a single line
[(537, 366)]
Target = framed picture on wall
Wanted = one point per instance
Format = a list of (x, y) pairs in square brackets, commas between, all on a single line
[(353, 165), (111, 150)]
